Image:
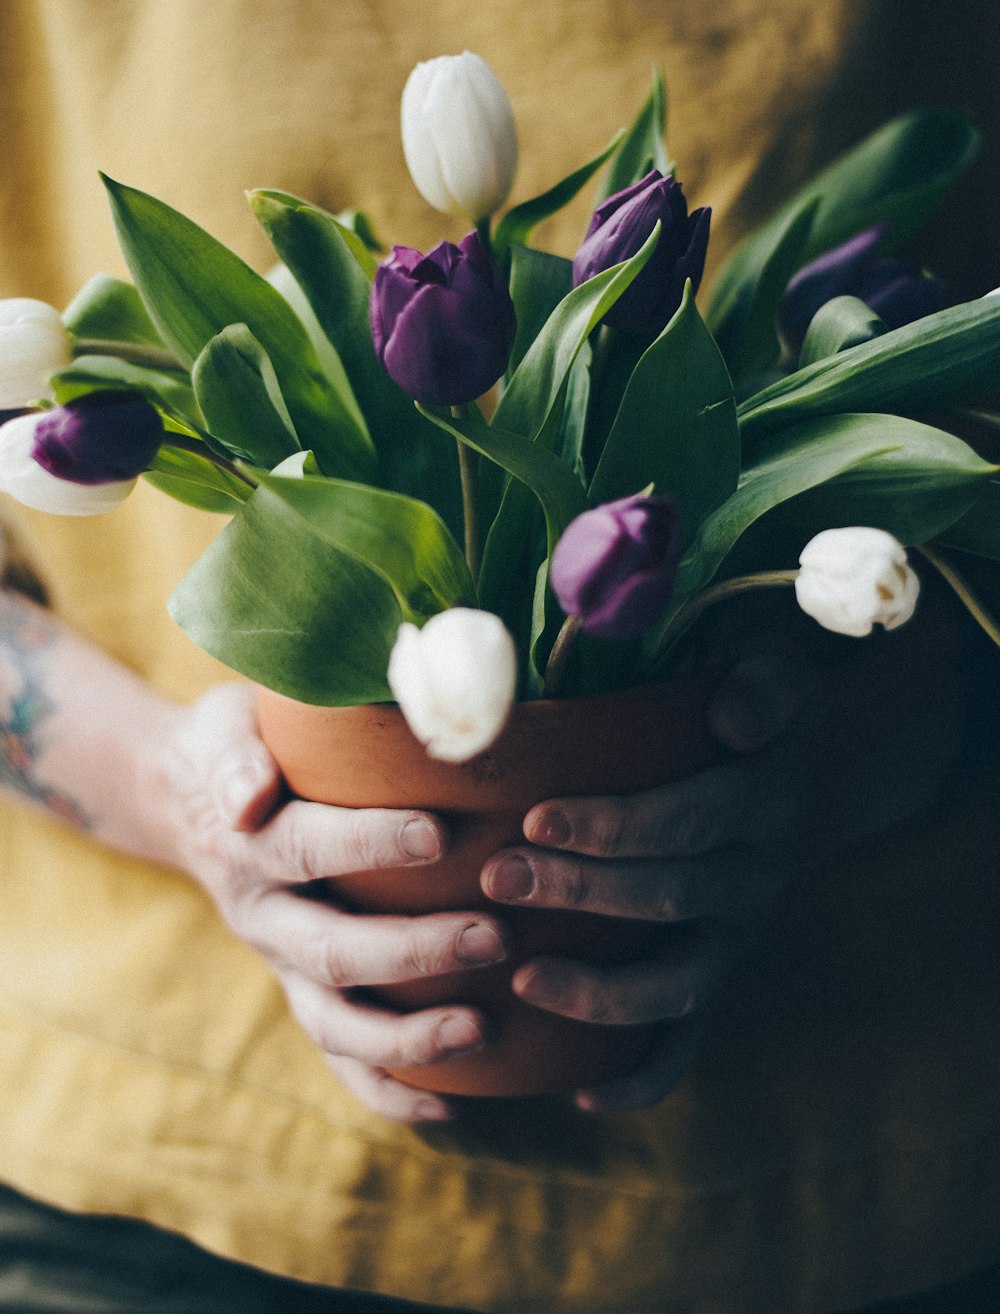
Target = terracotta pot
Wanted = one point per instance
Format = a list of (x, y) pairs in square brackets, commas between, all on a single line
[(614, 743)]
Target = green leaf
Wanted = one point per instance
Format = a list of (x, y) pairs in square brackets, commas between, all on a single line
[(642, 148), (978, 531), (359, 225), (676, 427), (334, 272), (744, 327), (916, 491), (816, 452), (403, 541), (903, 473), (517, 225), (842, 323), (194, 480), (305, 590), (241, 401), (538, 282), (538, 383), (171, 392), (194, 287), (111, 310), (947, 358), (899, 173), (274, 599), (559, 492)]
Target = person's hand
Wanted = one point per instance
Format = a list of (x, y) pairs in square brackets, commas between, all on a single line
[(812, 756), (257, 852)]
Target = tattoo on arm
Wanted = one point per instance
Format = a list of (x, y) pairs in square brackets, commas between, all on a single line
[(26, 634)]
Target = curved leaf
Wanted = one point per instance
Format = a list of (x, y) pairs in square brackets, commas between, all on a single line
[(110, 309), (947, 358), (520, 221), (334, 270), (241, 400), (642, 148), (403, 541), (275, 600), (194, 287), (676, 426), (899, 173), (842, 323), (537, 384)]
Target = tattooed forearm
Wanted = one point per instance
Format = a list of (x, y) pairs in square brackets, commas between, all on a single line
[(26, 634)]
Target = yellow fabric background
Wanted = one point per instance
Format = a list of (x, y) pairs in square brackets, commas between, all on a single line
[(837, 1141)]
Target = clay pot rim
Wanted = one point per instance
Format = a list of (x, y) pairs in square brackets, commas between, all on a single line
[(573, 725)]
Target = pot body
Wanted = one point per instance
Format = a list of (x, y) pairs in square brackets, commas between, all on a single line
[(614, 743)]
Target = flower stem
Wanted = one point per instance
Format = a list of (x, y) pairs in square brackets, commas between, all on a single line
[(483, 233), (136, 353), (470, 501), (237, 469), (555, 667), (729, 588), (951, 577)]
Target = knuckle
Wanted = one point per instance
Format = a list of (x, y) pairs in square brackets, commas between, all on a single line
[(571, 887), (334, 968), (298, 846), (598, 1007), (689, 828), (428, 955), (669, 901), (608, 831), (365, 846)]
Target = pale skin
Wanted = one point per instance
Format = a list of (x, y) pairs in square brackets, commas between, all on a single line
[(193, 787)]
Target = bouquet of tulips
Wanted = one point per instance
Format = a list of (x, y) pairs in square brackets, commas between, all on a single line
[(491, 472)]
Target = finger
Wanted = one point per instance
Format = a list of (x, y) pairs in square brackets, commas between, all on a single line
[(760, 697), (681, 889), (655, 1078), (219, 747), (359, 1030), (671, 986), (343, 950), (735, 803), (307, 842), (388, 1097)]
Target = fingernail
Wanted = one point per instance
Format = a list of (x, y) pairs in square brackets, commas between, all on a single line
[(479, 944), (550, 828), (457, 1033), (541, 988), (419, 839), (511, 878)]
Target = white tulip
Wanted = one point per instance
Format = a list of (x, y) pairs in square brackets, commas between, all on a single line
[(32, 485), (851, 579), (459, 138), (34, 343), (455, 681)]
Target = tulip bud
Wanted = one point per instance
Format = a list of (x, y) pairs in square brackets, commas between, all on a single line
[(614, 566), (898, 292), (851, 579), (34, 343), (459, 138), (619, 228), (82, 458), (455, 681), (442, 323)]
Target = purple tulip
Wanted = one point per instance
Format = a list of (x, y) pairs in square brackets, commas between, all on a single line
[(614, 566), (102, 437), (442, 323), (898, 292), (620, 227)]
